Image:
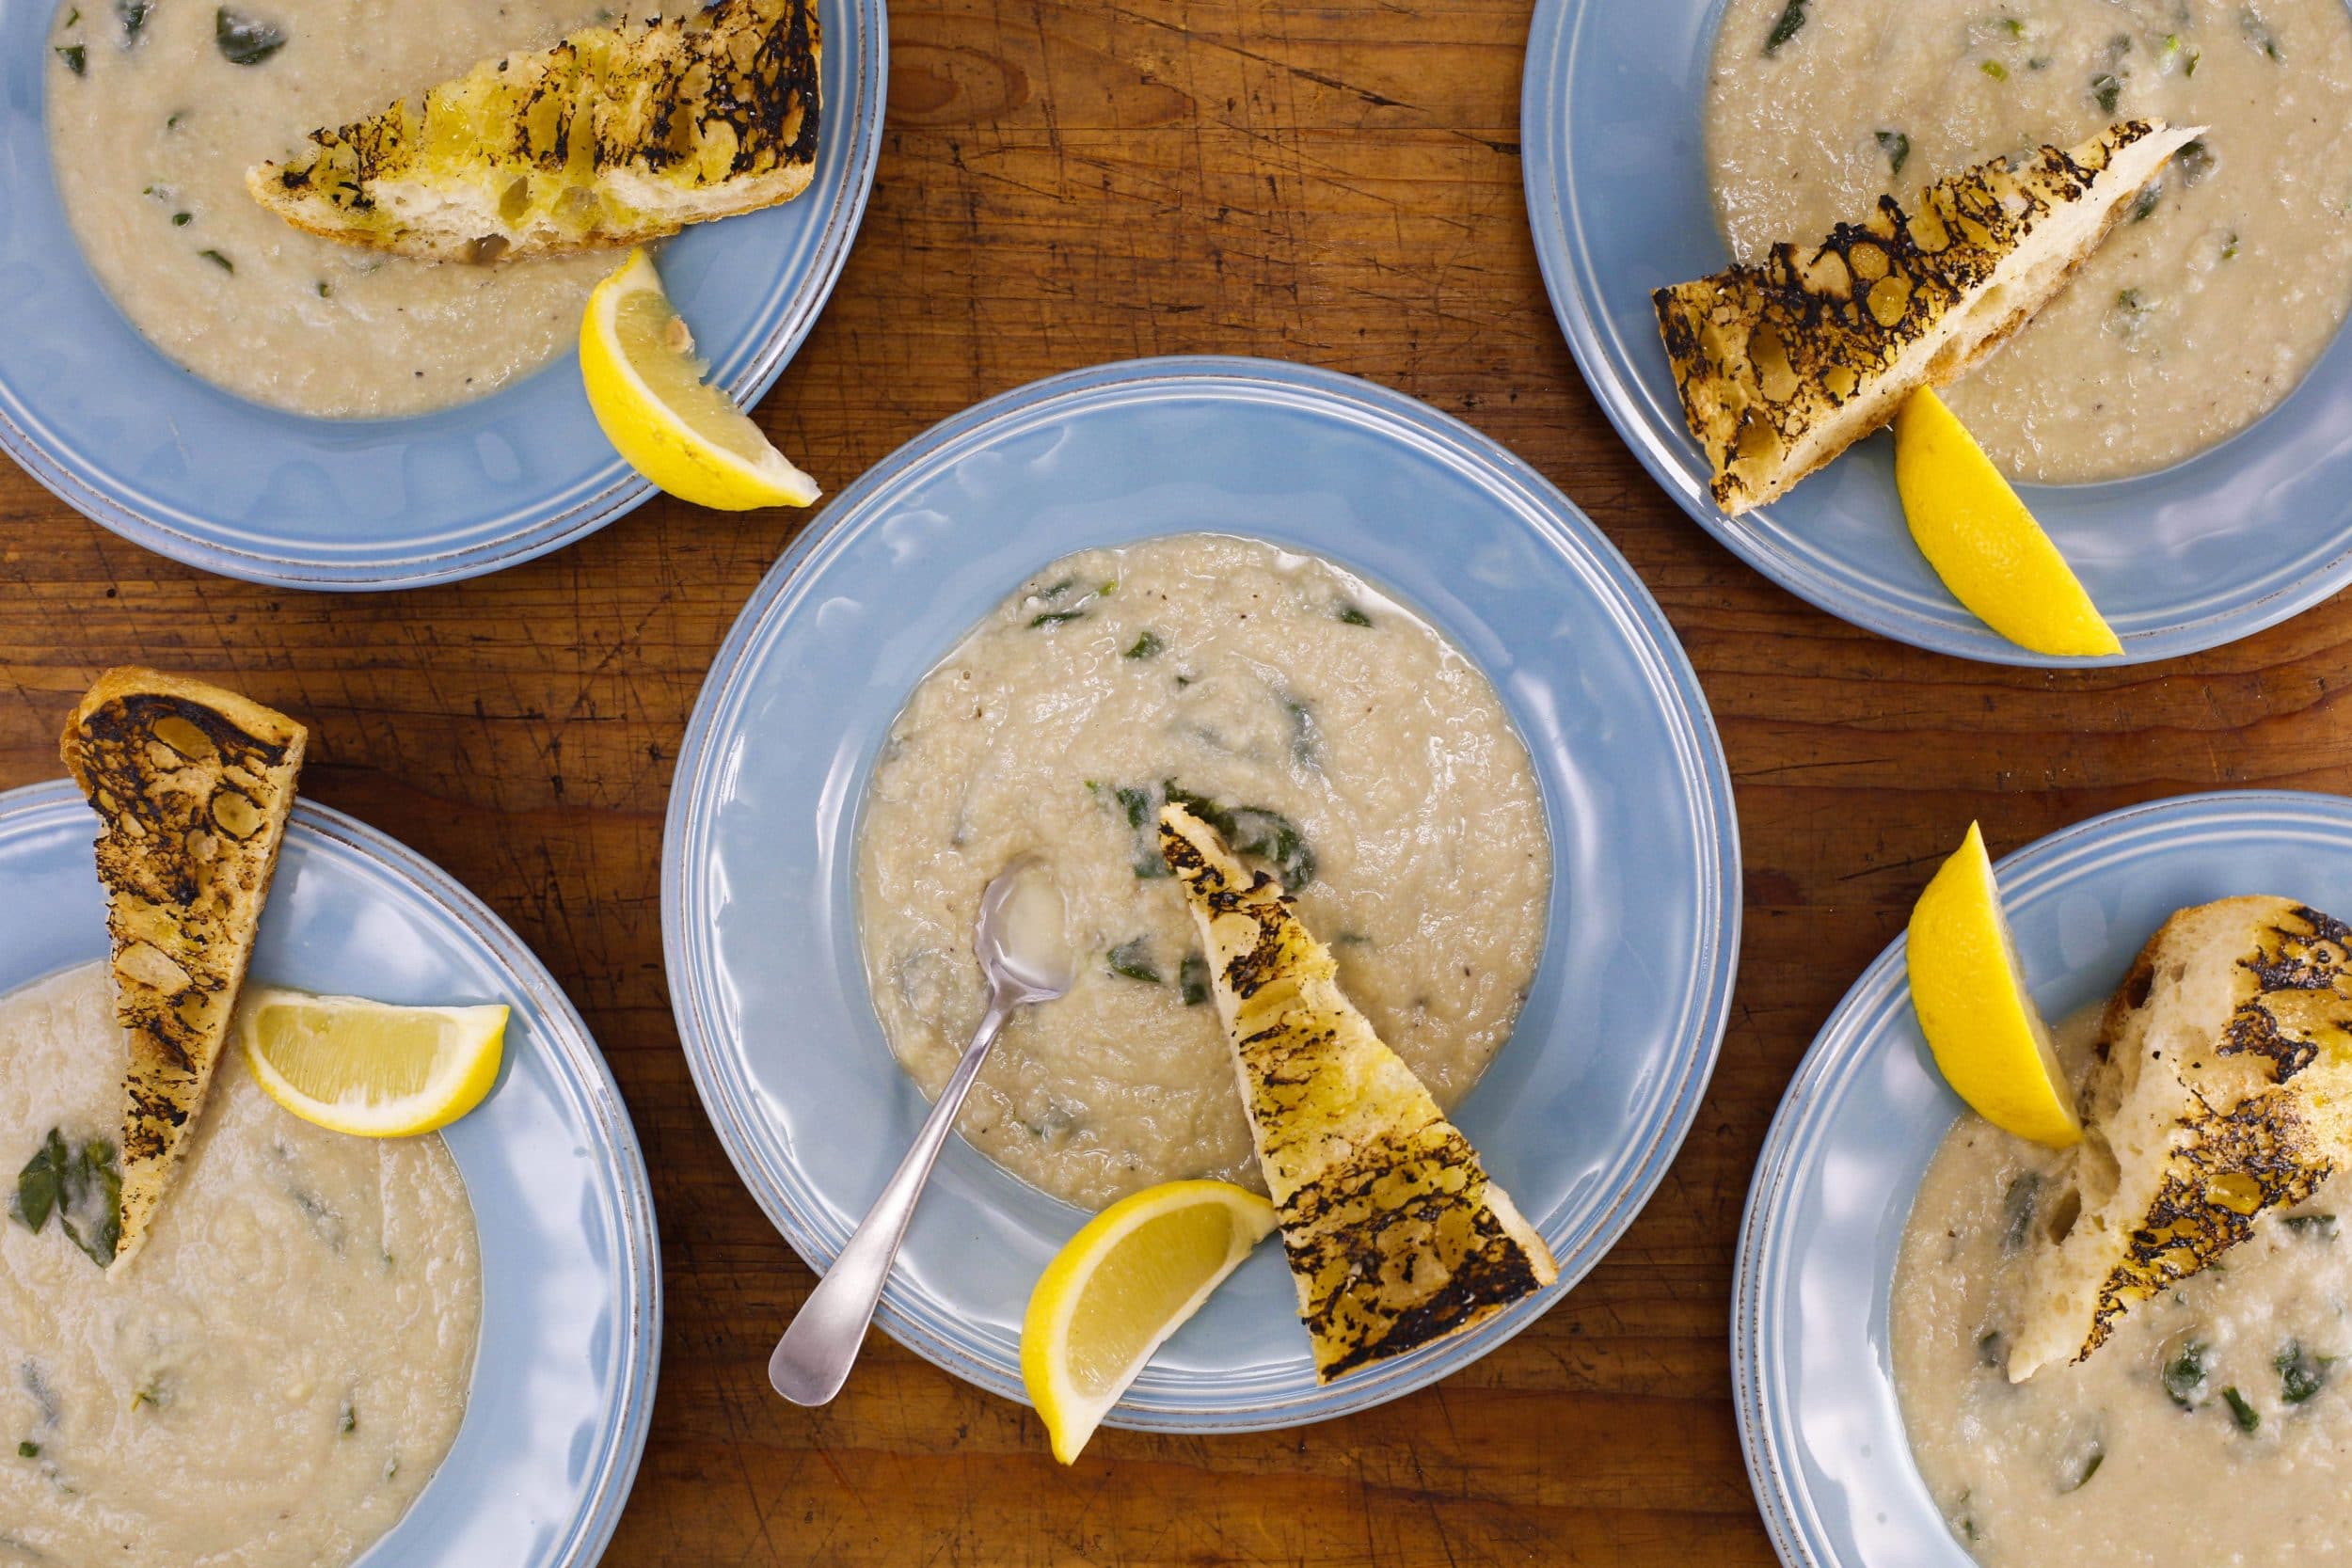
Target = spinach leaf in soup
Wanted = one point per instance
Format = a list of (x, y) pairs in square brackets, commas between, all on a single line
[(1897, 146), (2302, 1374), (82, 1186), (2184, 1376), (1792, 22), (245, 39), (2248, 1419), (1254, 830), (1132, 961), (76, 58), (37, 1184), (1192, 978)]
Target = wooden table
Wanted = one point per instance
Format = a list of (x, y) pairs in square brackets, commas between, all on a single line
[(1067, 182)]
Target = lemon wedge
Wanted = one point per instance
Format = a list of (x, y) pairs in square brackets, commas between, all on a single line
[(647, 390), (1119, 1288), (370, 1068), (1989, 1040), (1983, 543)]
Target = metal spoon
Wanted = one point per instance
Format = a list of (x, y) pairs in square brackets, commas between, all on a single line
[(1026, 956)]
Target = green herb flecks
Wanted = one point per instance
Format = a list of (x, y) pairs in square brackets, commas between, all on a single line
[(2302, 1374), (1076, 610), (1897, 146), (245, 39), (28, 1450), (38, 1183), (1145, 647), (1192, 978), (2076, 1471), (2145, 203), (1352, 615), (1141, 808), (2245, 1414), (2017, 1210), (2192, 163), (324, 291), (2309, 1227), (1791, 22), (349, 1421), (82, 1186), (133, 14), (2257, 32), (76, 58), (1254, 830), (153, 1394), (223, 262), (1132, 961), (1994, 69), (1306, 738), (2184, 1376), (2108, 88), (180, 220)]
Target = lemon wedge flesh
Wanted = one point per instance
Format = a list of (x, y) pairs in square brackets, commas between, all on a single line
[(1983, 543), (1119, 1288), (1989, 1040), (370, 1068), (647, 390)]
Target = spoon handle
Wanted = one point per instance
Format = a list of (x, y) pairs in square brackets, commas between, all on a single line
[(813, 1360)]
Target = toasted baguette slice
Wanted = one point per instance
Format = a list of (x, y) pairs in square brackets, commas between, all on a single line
[(192, 785), (2217, 1097), (1784, 365), (1395, 1236), (615, 136)]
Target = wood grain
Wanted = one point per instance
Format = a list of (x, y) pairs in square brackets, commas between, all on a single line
[(1061, 184)]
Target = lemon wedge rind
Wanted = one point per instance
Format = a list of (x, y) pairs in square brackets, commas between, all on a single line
[(1118, 1289), (1988, 1038), (1984, 544), (648, 391)]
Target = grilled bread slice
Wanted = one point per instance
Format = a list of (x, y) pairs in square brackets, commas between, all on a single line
[(192, 785), (2216, 1096), (615, 136), (1394, 1235), (1784, 365)]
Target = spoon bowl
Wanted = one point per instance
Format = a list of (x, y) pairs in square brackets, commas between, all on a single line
[(1023, 943)]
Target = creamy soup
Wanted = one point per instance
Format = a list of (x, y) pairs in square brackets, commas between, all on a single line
[(273, 1378), (1369, 762), (2211, 1428), (2201, 313), (156, 109)]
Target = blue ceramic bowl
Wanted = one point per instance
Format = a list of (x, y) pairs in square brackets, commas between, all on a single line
[(100, 417), (571, 1292), (1580, 1111), (2239, 538), (1811, 1366)]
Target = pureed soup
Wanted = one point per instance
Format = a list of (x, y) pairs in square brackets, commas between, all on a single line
[(157, 107), (2211, 299), (273, 1379), (1367, 763)]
